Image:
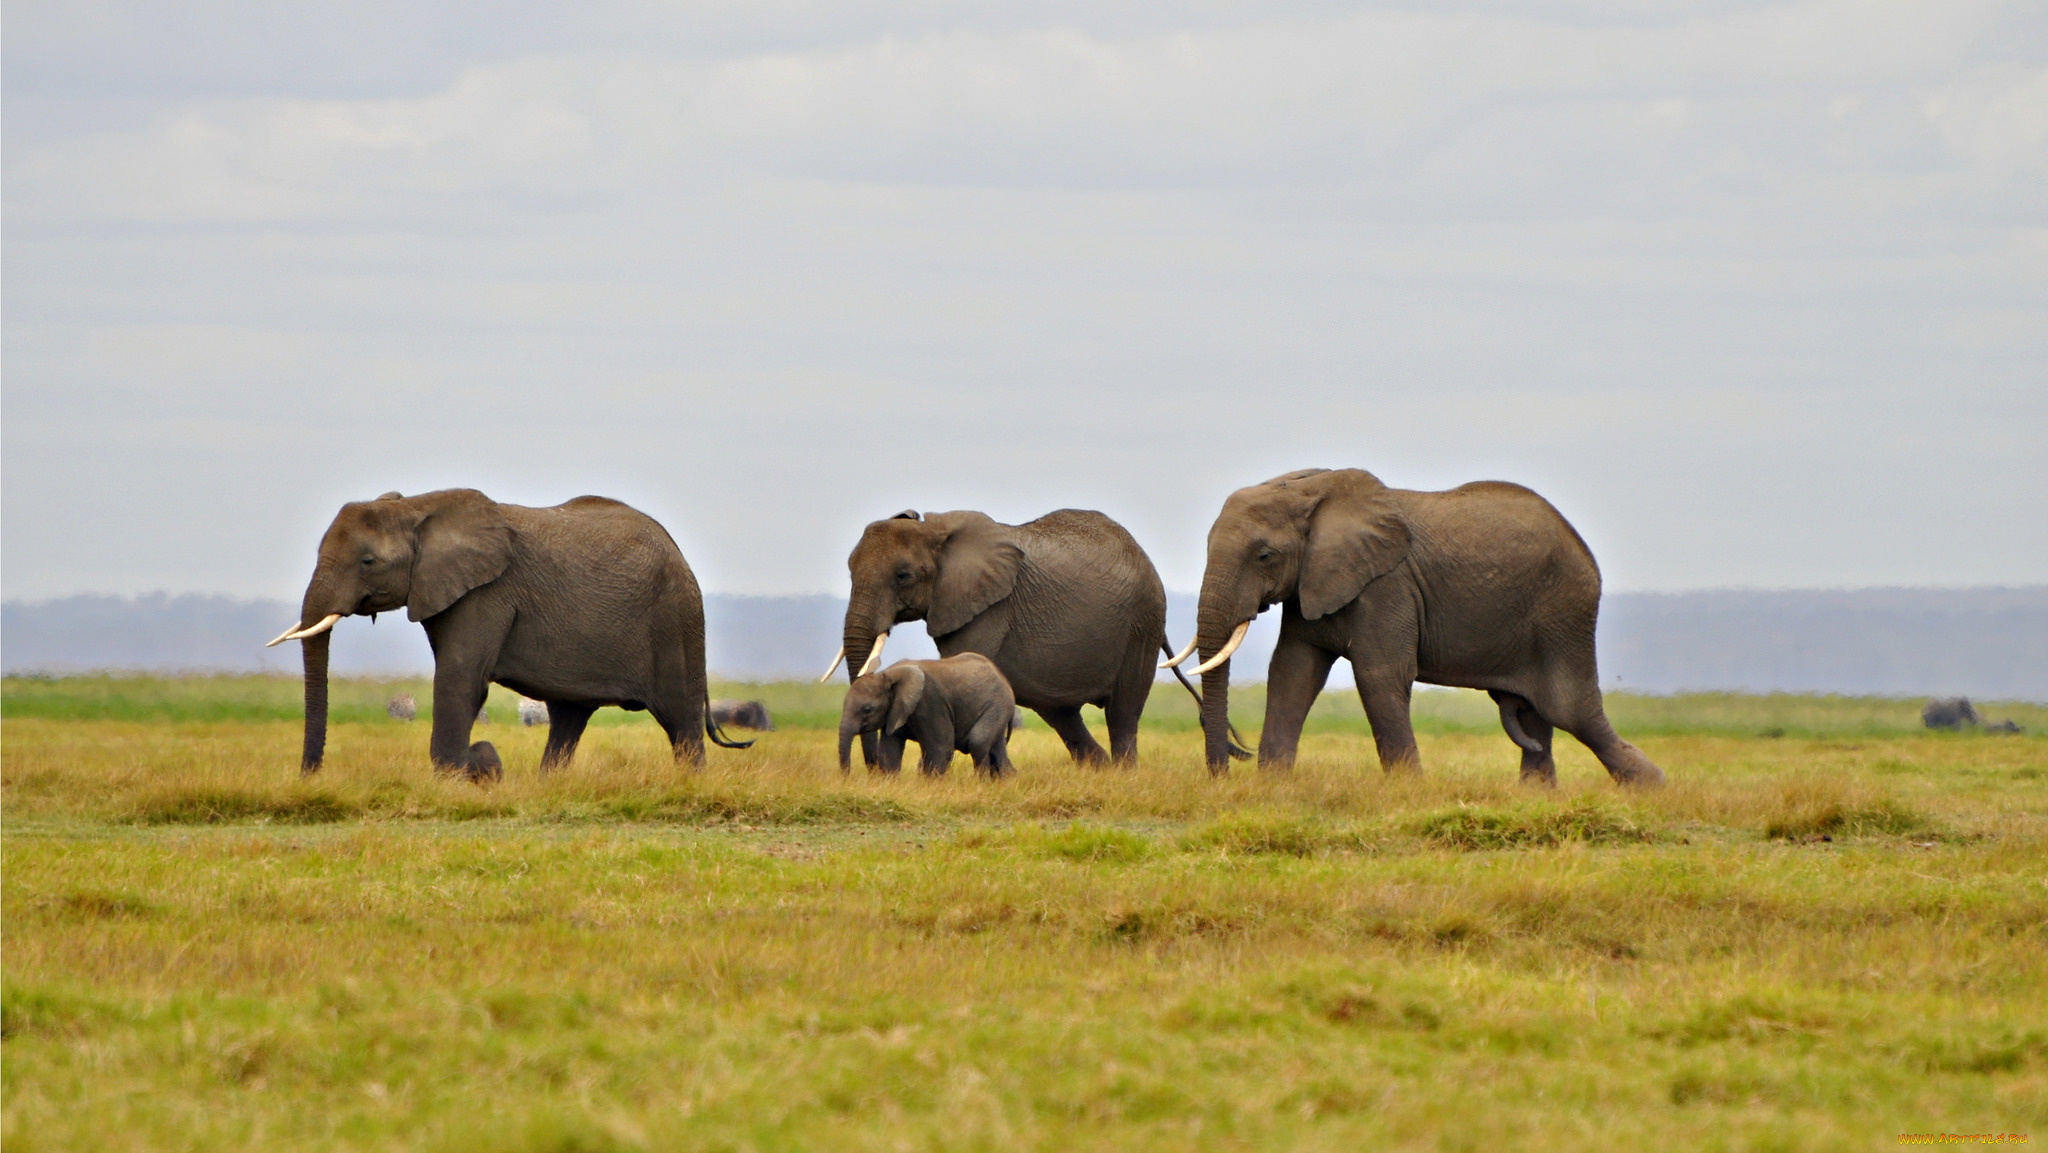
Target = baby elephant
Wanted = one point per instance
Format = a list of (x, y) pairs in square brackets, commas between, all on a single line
[(960, 703)]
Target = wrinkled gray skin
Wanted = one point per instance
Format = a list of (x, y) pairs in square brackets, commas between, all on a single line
[(959, 704), (1483, 587), (1067, 606), (582, 605)]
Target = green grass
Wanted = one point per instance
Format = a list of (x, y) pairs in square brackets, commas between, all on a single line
[(1818, 940), (803, 705)]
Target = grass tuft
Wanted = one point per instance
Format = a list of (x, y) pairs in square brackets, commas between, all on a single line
[(695, 808), (1585, 821), (1090, 843), (2005, 1050), (92, 905), (1884, 817), (212, 805), (1268, 833), (1748, 1018)]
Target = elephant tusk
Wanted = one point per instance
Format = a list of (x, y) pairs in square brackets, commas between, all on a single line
[(874, 656), (317, 627), (829, 669), (1185, 653), (283, 636), (1229, 647), (295, 633)]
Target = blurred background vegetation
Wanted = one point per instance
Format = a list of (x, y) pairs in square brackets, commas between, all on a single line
[(804, 705)]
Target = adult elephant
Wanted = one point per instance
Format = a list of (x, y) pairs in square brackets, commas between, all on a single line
[(585, 604), (1485, 586), (1068, 607)]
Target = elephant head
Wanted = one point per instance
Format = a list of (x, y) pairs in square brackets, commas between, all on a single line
[(420, 553), (944, 569), (1318, 535), (878, 702)]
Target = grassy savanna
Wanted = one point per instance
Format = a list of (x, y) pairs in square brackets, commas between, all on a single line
[(1831, 929)]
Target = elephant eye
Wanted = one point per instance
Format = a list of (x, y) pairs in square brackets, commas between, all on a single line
[(368, 561), (904, 576)]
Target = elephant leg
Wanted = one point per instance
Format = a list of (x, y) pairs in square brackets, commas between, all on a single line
[(1125, 706), (1624, 762), (1066, 721), (1526, 727), (1570, 699), (888, 754), (936, 743), (459, 691), (1293, 681), (1385, 695), (566, 721), (683, 720), (988, 743), (999, 757)]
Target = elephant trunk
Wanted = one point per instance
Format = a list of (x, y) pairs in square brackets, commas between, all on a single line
[(1216, 718), (1216, 619), (314, 648), (846, 732), (323, 601), (865, 620)]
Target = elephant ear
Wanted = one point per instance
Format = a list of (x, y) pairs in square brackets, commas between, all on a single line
[(910, 681), (978, 566), (463, 542), (1356, 534)]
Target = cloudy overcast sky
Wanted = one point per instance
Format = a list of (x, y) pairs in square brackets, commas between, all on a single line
[(1755, 292)]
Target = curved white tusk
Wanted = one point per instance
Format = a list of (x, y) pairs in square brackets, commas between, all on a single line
[(311, 630), (282, 637), (1236, 639), (833, 667), (1184, 654), (874, 656)]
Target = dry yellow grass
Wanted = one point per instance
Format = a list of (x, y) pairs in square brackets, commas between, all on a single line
[(1803, 943)]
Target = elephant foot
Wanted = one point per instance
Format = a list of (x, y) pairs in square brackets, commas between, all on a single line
[(481, 765), (1650, 777), (484, 765), (1538, 779), (1631, 769)]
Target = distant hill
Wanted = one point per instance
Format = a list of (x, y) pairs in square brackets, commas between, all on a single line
[(753, 638), (1990, 643), (1986, 643)]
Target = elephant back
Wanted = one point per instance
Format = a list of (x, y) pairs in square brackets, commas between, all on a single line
[(1074, 544)]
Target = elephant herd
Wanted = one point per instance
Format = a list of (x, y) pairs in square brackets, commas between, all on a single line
[(590, 603)]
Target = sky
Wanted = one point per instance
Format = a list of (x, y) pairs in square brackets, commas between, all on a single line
[(1756, 293)]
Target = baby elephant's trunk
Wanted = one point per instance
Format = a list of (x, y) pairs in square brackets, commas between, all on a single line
[(847, 731)]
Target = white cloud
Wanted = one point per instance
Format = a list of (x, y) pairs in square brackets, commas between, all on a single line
[(774, 270), (1408, 102)]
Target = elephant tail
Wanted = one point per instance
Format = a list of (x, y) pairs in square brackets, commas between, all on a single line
[(1511, 707), (716, 733), (1236, 744)]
